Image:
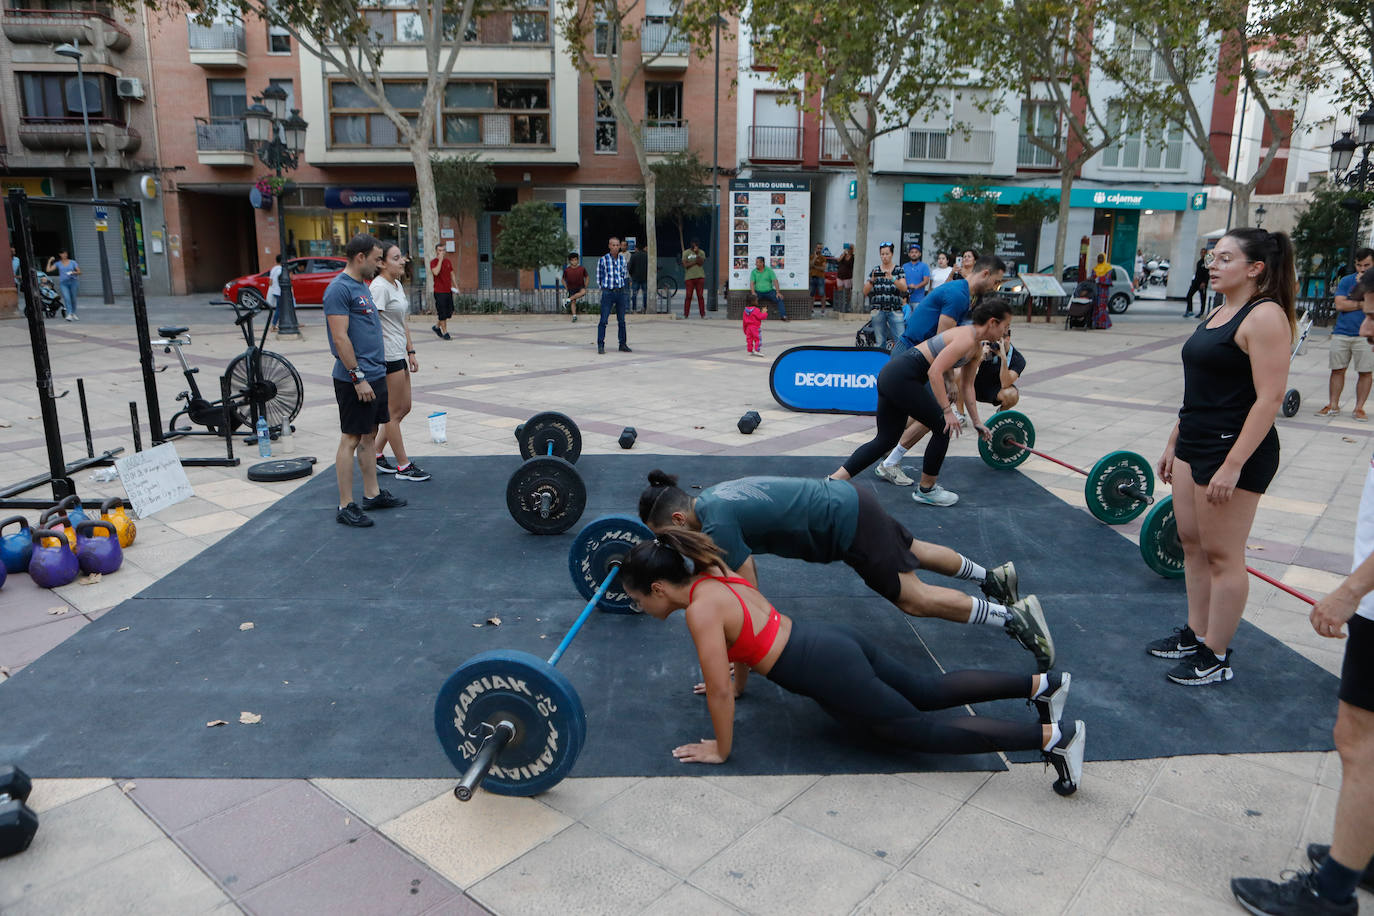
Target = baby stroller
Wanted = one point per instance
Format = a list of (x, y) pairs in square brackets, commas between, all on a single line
[(1292, 400), (1080, 311), (866, 339), (49, 299)]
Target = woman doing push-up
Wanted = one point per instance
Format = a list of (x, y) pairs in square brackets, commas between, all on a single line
[(838, 667)]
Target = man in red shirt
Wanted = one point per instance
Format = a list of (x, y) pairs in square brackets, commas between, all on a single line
[(574, 282), (441, 270)]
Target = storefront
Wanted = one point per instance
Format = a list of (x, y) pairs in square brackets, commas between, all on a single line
[(324, 219)]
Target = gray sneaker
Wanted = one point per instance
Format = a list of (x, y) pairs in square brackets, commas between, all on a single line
[(893, 474), (938, 496), (1000, 585), (1028, 627)]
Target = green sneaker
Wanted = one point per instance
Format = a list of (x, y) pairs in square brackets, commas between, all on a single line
[(1027, 626), (1000, 585)]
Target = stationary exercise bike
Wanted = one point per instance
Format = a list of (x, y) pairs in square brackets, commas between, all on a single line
[(261, 383)]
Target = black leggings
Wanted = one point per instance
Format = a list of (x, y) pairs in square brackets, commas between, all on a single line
[(857, 684), (904, 391)]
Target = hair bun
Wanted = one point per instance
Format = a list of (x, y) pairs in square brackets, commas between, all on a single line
[(659, 478)]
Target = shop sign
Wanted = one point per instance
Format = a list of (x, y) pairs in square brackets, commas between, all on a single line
[(33, 187), (1104, 198), (367, 198)]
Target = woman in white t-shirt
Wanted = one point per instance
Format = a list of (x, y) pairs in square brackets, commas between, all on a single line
[(398, 351), (941, 271)]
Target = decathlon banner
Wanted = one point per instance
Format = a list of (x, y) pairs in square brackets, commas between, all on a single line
[(827, 379)]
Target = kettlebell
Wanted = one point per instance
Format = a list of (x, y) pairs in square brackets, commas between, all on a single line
[(98, 552), (51, 566), (16, 548), (124, 525), (56, 520), (72, 506)]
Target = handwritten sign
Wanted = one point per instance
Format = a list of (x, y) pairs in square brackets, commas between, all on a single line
[(1039, 285), (154, 479)]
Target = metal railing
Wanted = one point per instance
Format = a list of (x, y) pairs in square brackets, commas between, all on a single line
[(781, 143), (665, 137), (100, 10), (222, 135), (949, 145), (832, 146), (1032, 156), (659, 37), (217, 36)]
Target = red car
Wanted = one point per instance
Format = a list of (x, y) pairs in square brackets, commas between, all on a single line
[(309, 277)]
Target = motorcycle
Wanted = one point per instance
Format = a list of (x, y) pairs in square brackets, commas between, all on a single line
[(1157, 272)]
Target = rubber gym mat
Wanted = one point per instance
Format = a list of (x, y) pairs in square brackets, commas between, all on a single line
[(355, 630)]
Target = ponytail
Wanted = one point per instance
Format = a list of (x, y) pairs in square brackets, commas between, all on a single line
[(666, 558), (1280, 278), (660, 499)]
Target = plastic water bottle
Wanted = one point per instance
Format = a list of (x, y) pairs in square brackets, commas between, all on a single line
[(264, 438), (284, 444)]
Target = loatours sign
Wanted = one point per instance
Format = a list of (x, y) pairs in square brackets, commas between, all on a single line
[(827, 379), (366, 198)]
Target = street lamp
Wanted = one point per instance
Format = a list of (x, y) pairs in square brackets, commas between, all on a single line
[(1342, 154), (712, 292), (278, 141), (73, 51), (1259, 216)]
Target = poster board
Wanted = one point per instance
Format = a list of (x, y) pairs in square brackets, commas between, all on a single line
[(153, 479), (772, 220), (1042, 285)]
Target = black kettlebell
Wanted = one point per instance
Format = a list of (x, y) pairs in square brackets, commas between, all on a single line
[(52, 566)]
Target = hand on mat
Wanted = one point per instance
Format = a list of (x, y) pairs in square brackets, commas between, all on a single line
[(1222, 485), (1165, 468), (1331, 613), (701, 752)]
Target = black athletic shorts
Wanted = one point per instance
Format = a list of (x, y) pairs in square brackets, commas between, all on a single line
[(357, 418), (1357, 671), (881, 550), (395, 365), (443, 306), (1205, 455)]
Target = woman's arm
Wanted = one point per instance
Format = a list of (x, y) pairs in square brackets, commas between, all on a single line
[(1265, 336), (967, 373), (706, 623)]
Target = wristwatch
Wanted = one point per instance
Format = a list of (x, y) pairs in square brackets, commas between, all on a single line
[(356, 375)]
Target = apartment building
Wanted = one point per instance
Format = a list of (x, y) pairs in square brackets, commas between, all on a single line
[(515, 98), (43, 139)]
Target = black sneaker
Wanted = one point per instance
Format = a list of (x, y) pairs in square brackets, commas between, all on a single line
[(601, 350), (1000, 584), (1067, 757), (1181, 644), (1202, 668), (1295, 897), (353, 517), (625, 349), (383, 500), (1050, 704), (384, 466), (1317, 853), (411, 472), (437, 333)]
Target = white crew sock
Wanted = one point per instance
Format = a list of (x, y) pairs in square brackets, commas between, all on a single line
[(893, 459), (1055, 736), (986, 612), (970, 570)]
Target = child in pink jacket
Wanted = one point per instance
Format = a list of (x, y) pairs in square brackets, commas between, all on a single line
[(754, 316)]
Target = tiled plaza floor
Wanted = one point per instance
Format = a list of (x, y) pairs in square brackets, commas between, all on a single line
[(1146, 836)]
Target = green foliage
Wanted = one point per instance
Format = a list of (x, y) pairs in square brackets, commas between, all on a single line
[(462, 184), (1325, 228), (682, 190), (1035, 208), (533, 235), (968, 220)]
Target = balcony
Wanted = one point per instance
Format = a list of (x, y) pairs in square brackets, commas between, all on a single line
[(68, 135), (93, 28), (223, 141), (775, 144), (1030, 156), (974, 146), (832, 147), (219, 44), (672, 49), (662, 137)]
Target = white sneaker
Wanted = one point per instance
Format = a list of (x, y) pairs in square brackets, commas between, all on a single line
[(962, 418), (66, 317), (938, 496), (76, 318), (893, 474)]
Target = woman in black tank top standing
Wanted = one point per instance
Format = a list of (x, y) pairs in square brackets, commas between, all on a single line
[(1224, 449)]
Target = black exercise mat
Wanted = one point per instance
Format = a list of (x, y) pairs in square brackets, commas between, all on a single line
[(354, 632)]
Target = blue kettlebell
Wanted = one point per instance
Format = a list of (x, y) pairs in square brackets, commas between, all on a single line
[(17, 548), (98, 553), (55, 565), (72, 506)]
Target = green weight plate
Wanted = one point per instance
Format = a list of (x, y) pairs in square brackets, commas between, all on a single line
[(540, 431), (1010, 430), (546, 495), (1103, 490), (1159, 543)]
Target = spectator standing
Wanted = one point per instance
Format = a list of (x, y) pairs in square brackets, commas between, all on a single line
[(754, 316), (1346, 346), (639, 280), (355, 339), (574, 282), (966, 260), (1138, 280), (399, 352), (885, 289), (14, 264), (764, 283), (844, 275), (694, 278), (274, 291), (941, 271), (918, 279), (68, 272), (613, 279), (1102, 271), (1199, 286), (816, 277), (441, 271)]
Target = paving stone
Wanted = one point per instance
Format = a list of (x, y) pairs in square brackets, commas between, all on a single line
[(178, 803), (1237, 792), (54, 793), (685, 900), (379, 800), (22, 647), (906, 894), (878, 814), (1117, 889), (576, 797), (770, 792)]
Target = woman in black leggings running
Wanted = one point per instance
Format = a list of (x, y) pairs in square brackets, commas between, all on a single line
[(838, 667), (904, 390)]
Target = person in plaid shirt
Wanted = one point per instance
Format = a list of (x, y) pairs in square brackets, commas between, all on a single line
[(613, 279)]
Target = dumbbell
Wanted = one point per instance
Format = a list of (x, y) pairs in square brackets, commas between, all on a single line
[(1119, 487), (749, 422), (546, 495), (18, 823), (628, 436), (510, 721)]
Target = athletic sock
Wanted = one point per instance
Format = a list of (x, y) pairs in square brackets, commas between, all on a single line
[(927, 489), (1043, 688), (1055, 735), (895, 457), (986, 612), (1335, 882), (970, 570), (402, 467), (381, 455)]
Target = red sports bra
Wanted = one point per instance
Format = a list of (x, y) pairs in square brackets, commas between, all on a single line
[(750, 648)]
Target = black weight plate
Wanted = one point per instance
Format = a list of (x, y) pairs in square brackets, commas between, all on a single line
[(1159, 543), (1010, 430), (550, 427), (1102, 490), (550, 723), (281, 469), (1292, 400), (546, 495), (597, 549)]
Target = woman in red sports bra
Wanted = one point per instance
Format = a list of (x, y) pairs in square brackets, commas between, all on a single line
[(837, 666)]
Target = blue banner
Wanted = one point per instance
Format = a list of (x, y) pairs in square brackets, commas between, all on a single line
[(827, 379), (367, 198)]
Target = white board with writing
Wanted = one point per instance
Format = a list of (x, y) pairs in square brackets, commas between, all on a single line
[(154, 479)]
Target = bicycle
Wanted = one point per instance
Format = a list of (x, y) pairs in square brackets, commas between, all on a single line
[(261, 383)]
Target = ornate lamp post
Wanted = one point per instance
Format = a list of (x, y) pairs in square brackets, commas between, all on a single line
[(1342, 153), (278, 141), (1259, 216)]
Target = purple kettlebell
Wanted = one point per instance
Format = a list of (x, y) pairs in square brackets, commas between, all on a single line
[(55, 565), (98, 553)]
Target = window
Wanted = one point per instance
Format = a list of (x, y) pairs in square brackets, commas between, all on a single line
[(228, 98), (355, 121), (401, 22), (606, 125), (496, 113), (606, 39), (57, 97), (1038, 119), (1156, 147), (662, 103)]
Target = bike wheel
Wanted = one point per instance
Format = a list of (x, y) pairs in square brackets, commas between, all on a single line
[(277, 391), (667, 287)]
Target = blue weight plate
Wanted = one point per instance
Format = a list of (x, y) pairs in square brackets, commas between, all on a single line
[(550, 723), (596, 549)]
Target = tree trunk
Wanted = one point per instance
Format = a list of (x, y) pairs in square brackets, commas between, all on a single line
[(862, 170), (1061, 230), (1241, 195), (429, 206), (651, 224)]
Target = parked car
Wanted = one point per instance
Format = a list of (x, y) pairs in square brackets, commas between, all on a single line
[(309, 277), (1123, 290)]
